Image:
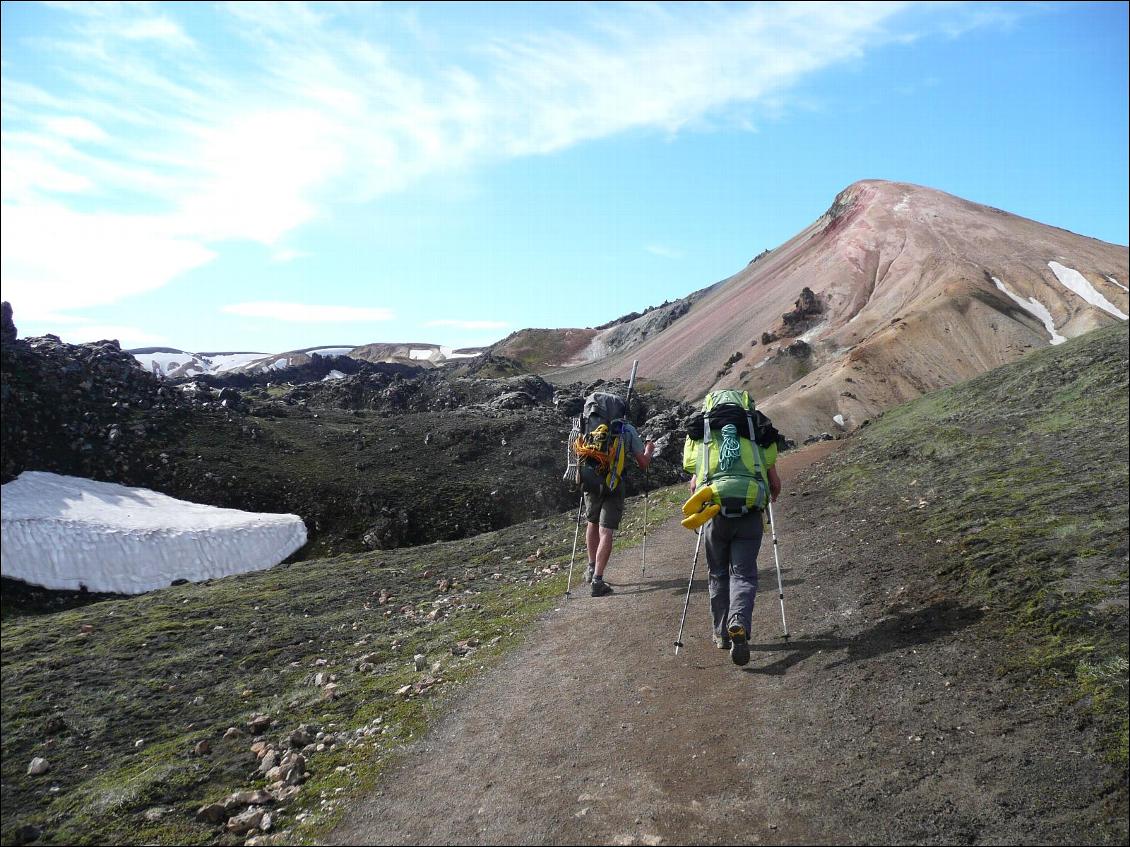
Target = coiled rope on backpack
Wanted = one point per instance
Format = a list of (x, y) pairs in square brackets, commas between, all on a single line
[(731, 448), (587, 447)]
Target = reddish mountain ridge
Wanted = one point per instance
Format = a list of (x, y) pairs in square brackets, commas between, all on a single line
[(909, 290)]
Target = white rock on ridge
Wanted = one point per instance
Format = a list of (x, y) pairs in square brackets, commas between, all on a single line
[(66, 532)]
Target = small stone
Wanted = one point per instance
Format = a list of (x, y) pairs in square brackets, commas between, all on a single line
[(245, 821), (203, 748), (38, 766), (420, 660), (27, 833), (212, 813), (268, 762), (155, 814), (258, 723), (233, 732), (284, 793)]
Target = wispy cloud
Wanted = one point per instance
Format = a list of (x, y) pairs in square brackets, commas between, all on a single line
[(308, 313), (664, 251), (460, 324), (154, 142)]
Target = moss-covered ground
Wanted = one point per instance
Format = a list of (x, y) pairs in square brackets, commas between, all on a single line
[(1020, 476), (116, 695)]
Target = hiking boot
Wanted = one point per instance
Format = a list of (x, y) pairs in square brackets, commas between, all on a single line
[(600, 588), (722, 642), (739, 649), (589, 570)]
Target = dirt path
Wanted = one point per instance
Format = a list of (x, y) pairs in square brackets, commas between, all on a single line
[(881, 720)]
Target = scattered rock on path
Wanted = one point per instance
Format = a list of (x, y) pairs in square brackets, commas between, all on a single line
[(38, 766)]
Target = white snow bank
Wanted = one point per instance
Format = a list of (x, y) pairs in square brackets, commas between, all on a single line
[(839, 420), (231, 361), (67, 532), (1035, 307), (423, 354), (449, 353), (334, 374), (330, 351), (1116, 282), (1075, 281), (812, 333)]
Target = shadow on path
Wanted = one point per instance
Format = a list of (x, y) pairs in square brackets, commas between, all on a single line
[(894, 633)]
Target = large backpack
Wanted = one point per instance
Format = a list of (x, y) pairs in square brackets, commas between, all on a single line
[(600, 448), (725, 447)]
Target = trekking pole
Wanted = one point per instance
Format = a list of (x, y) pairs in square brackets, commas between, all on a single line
[(643, 555), (686, 605), (777, 561), (576, 535)]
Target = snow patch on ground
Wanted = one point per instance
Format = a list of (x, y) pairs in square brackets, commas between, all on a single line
[(164, 363), (423, 354), (902, 204), (838, 420), (335, 374), (1072, 280), (1116, 282), (812, 333), (330, 351), (65, 532), (231, 361), (449, 353), (1035, 307)]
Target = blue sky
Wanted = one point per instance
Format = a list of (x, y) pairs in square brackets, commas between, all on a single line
[(270, 177)]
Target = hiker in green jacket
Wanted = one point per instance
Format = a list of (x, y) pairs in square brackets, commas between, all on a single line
[(733, 449)]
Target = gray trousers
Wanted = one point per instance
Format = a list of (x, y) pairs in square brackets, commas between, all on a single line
[(732, 545)]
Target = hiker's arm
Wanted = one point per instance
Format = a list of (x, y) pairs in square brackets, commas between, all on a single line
[(774, 484), (644, 459)]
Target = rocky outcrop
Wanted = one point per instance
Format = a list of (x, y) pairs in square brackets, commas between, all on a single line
[(7, 326), (79, 409)]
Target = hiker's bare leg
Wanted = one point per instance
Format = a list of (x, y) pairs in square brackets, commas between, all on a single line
[(604, 548), (592, 540)]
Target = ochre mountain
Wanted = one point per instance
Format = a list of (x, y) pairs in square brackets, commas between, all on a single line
[(896, 290)]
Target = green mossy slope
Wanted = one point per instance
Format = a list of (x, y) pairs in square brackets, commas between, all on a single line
[(1021, 476), (116, 695)]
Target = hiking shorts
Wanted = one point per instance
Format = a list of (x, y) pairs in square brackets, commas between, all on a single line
[(605, 509)]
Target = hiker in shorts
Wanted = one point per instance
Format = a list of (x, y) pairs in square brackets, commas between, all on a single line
[(603, 512), (741, 471)]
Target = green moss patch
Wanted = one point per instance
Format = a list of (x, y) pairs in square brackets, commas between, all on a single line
[(1020, 477), (116, 695)]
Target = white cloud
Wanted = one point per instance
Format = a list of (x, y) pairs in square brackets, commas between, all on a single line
[(285, 109), (56, 259), (664, 251), (461, 324), (308, 313), (289, 254)]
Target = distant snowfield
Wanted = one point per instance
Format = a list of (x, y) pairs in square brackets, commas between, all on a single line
[(64, 532), (1035, 307), (1075, 281), (330, 351), (1116, 282)]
